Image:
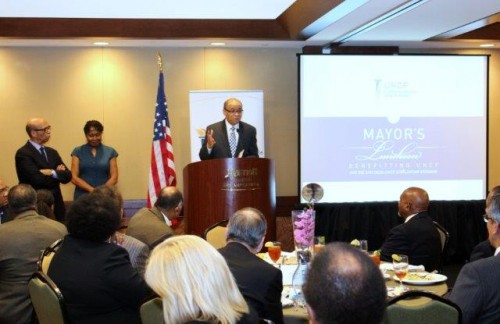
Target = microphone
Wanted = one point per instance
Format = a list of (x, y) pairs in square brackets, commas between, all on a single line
[(237, 130)]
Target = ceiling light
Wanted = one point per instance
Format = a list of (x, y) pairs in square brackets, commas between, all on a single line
[(218, 44), (487, 45), (100, 43)]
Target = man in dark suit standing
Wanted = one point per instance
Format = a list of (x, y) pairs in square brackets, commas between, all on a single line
[(476, 288), (417, 237), (259, 282), (230, 137), (41, 166)]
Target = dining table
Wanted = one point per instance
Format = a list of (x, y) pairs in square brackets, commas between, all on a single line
[(294, 314)]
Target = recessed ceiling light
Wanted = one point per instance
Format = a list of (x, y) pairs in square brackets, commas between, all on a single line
[(218, 44), (487, 45), (100, 43)]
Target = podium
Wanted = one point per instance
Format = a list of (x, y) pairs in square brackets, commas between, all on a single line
[(215, 189)]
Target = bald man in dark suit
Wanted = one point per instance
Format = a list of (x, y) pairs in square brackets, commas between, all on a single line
[(417, 237), (218, 136), (41, 166)]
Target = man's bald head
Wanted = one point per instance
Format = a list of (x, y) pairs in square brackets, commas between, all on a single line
[(412, 201), (38, 130)]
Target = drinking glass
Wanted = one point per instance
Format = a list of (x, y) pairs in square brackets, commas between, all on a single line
[(401, 269), (274, 251), (363, 246), (319, 244)]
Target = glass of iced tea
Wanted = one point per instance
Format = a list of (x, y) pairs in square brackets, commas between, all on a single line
[(319, 244), (400, 265), (376, 258), (274, 251)]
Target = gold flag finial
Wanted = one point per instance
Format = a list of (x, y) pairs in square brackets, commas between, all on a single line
[(160, 62)]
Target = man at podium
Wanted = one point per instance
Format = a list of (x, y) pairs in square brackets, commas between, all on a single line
[(230, 137)]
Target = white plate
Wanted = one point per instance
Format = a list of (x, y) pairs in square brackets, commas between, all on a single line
[(433, 278)]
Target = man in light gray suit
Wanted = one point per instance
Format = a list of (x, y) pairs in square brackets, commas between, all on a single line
[(21, 241), (476, 289), (153, 225)]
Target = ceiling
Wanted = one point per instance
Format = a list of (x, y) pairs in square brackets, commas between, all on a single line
[(315, 24)]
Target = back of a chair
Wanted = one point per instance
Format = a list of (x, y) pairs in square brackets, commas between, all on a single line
[(437, 311), (47, 300), (443, 235), (47, 255), (216, 234), (152, 312)]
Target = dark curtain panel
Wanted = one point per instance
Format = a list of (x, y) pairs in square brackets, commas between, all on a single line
[(372, 221)]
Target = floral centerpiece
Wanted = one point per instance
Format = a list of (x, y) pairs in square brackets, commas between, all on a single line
[(303, 229)]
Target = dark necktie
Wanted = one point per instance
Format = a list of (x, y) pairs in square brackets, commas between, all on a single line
[(42, 151)]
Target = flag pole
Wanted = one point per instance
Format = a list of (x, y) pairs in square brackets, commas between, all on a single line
[(160, 61)]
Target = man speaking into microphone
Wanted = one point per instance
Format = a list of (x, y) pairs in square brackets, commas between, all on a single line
[(230, 137)]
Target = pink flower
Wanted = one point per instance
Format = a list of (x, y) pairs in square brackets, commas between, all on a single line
[(304, 228)]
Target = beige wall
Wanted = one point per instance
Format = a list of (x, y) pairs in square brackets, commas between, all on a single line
[(118, 86)]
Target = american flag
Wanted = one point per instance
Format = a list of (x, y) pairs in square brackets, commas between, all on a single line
[(162, 170)]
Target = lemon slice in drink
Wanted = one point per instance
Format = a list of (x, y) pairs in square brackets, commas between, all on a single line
[(269, 244), (396, 257), (355, 242)]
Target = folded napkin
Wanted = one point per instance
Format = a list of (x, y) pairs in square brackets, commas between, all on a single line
[(411, 268)]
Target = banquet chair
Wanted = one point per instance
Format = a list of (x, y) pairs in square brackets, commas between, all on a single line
[(437, 311), (47, 300), (216, 234), (47, 255), (152, 311), (444, 237)]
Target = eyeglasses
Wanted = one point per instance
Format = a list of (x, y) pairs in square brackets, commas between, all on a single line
[(46, 129), (240, 111), (486, 218)]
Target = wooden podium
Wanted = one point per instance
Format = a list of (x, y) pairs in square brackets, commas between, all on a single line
[(215, 189)]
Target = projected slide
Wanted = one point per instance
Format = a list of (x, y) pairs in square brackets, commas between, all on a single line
[(371, 126)]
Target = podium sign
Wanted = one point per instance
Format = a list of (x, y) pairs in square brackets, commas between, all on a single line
[(215, 189)]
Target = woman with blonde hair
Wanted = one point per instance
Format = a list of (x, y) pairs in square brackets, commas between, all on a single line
[(195, 284)]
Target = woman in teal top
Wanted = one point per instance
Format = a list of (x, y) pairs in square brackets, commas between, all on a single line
[(93, 164)]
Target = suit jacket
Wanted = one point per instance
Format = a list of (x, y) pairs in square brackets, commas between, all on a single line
[(29, 161), (481, 251), (418, 238), (476, 291), (98, 282), (247, 141), (137, 251), (149, 227), (260, 283), (21, 241)]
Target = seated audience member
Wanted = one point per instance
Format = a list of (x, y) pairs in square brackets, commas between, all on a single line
[(343, 285), (417, 237), (95, 277), (484, 249), (476, 288), (45, 203), (21, 241), (137, 251), (259, 282), (195, 284), (4, 190), (151, 225)]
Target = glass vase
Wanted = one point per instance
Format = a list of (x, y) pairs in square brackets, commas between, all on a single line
[(303, 236)]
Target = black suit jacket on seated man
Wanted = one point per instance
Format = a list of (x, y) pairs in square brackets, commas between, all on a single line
[(260, 283), (417, 238)]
